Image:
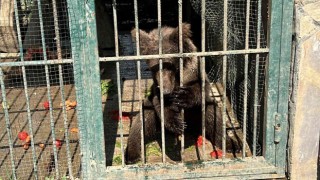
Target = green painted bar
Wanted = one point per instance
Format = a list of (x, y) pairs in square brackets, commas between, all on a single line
[(76, 21), (272, 91), (88, 90), (284, 76)]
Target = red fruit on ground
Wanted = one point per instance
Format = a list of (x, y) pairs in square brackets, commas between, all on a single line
[(23, 135), (216, 154), (46, 105), (58, 143), (115, 115)]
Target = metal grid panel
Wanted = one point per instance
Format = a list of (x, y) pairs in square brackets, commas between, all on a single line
[(235, 38), (36, 78)]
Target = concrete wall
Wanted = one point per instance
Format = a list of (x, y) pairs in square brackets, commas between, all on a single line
[(305, 95)]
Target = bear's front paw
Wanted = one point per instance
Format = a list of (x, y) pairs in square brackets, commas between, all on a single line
[(181, 97)]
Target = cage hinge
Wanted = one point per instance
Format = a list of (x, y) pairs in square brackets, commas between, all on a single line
[(277, 129)]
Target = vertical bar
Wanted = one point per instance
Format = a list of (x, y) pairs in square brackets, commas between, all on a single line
[(202, 70), (48, 90), (284, 79), (245, 94), (256, 103), (7, 118), (65, 118), (163, 145), (181, 71), (272, 85), (114, 6), (224, 76), (34, 158), (136, 20)]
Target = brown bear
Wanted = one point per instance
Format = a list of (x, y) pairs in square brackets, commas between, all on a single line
[(188, 96)]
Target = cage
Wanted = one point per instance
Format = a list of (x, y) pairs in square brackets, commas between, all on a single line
[(75, 82)]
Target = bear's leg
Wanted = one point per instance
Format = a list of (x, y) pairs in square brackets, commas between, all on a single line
[(214, 131), (133, 150)]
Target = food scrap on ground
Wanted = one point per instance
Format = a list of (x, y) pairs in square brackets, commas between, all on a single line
[(200, 141), (41, 145), (46, 105), (74, 130), (58, 143), (23, 135), (69, 104), (216, 154), (115, 115)]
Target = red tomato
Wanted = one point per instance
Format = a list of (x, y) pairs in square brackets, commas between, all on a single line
[(216, 154), (58, 143), (23, 135), (46, 105)]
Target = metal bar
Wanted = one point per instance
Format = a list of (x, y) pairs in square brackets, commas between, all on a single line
[(7, 118), (163, 145), (202, 70), (256, 84), (181, 71), (9, 55), (224, 76), (184, 55), (32, 63), (245, 82), (136, 20), (65, 118), (114, 7), (53, 134), (115, 25), (34, 158)]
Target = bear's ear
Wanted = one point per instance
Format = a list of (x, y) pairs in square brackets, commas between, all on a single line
[(186, 33), (144, 40)]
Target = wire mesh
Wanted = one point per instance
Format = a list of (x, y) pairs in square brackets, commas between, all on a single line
[(33, 95), (235, 69)]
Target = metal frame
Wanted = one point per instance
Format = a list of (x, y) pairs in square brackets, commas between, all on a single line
[(89, 110)]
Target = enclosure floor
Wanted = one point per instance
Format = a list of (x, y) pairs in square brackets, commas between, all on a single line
[(41, 127)]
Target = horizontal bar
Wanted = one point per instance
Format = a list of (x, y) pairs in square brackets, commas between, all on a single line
[(183, 55), (212, 169), (9, 55), (33, 63)]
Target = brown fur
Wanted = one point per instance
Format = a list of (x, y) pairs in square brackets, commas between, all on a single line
[(175, 97)]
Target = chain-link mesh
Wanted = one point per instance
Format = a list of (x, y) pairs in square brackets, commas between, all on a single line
[(235, 63), (24, 92)]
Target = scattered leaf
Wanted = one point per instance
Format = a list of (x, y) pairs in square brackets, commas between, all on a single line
[(23, 135), (74, 130), (8, 106)]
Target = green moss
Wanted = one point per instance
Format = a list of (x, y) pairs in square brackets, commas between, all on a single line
[(153, 149), (107, 87), (117, 160)]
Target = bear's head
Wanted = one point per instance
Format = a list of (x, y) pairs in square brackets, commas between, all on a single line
[(149, 45)]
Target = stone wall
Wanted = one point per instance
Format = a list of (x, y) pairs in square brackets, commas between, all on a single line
[(305, 94)]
